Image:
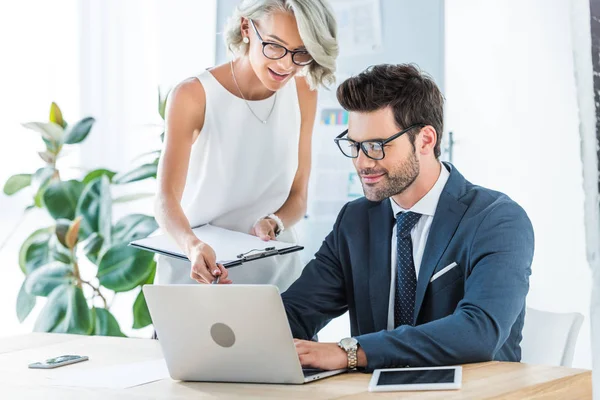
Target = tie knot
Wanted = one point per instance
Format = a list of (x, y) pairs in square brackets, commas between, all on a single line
[(405, 221)]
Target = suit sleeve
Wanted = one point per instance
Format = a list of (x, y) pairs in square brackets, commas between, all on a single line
[(495, 291), (318, 295)]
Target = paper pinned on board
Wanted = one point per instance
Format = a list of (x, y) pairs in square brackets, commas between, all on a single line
[(359, 26)]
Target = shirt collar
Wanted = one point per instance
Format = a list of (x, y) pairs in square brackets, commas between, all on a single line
[(429, 202)]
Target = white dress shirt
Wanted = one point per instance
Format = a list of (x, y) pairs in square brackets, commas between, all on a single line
[(419, 233)]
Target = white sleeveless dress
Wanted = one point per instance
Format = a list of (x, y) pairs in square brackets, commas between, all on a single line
[(241, 170)]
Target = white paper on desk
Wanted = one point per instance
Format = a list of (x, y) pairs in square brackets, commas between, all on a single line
[(226, 244), (120, 376)]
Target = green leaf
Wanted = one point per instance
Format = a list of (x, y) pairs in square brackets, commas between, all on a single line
[(106, 323), (25, 303), (142, 172), (132, 197), (79, 131), (72, 236), (141, 315), (39, 182), (62, 226), (92, 247), (95, 206), (39, 198), (122, 268), (162, 137), (49, 131), (51, 146), (58, 252), (47, 157), (150, 279), (46, 278), (34, 251), (66, 311), (162, 104), (41, 177), (56, 115), (133, 227), (60, 198), (97, 173), (16, 183)]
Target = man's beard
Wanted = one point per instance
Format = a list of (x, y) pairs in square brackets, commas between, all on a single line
[(394, 182)]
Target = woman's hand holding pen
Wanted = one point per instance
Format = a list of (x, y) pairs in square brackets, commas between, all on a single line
[(264, 229), (204, 267)]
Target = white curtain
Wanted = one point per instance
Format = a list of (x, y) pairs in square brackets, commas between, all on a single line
[(128, 50), (100, 58), (39, 42)]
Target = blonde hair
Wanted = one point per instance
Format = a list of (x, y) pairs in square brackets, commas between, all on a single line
[(316, 25)]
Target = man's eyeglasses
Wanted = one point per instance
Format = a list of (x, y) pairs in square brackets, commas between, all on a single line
[(276, 51), (374, 149)]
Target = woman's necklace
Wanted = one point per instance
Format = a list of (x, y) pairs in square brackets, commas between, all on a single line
[(264, 121)]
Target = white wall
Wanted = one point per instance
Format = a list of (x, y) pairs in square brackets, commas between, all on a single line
[(400, 19), (511, 101)]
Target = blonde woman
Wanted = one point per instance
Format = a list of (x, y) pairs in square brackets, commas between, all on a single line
[(238, 140)]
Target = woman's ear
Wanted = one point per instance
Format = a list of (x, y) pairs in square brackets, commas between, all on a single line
[(245, 28)]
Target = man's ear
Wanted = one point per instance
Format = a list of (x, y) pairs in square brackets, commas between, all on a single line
[(428, 139)]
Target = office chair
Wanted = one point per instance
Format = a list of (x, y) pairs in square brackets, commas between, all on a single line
[(550, 338)]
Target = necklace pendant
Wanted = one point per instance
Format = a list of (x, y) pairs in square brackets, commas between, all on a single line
[(264, 122)]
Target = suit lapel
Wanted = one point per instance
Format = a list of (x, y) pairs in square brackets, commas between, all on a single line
[(380, 236), (447, 216)]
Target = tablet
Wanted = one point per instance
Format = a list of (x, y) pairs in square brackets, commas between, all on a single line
[(428, 378)]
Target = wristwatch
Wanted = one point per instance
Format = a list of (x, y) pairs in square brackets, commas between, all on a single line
[(350, 346)]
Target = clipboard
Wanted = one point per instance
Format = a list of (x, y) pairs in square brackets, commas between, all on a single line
[(233, 248)]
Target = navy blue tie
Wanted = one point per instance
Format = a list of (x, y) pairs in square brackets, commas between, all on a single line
[(406, 277)]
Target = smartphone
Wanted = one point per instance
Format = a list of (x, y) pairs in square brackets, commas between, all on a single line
[(58, 362)]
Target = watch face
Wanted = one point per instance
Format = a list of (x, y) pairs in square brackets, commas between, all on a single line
[(348, 342)]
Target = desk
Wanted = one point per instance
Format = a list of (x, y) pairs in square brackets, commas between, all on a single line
[(483, 380)]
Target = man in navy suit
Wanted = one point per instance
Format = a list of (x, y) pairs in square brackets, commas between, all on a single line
[(433, 269)]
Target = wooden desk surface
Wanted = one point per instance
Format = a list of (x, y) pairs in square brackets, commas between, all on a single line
[(484, 380)]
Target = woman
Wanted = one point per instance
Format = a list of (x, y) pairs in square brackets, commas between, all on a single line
[(238, 140)]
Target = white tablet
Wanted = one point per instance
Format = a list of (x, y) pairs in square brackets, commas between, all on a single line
[(428, 378)]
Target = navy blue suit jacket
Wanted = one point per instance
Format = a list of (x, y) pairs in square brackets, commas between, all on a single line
[(472, 313)]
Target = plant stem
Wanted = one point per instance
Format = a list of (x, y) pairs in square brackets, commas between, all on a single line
[(97, 291), (76, 268)]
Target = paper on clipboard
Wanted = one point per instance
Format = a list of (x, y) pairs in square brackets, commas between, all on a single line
[(227, 244)]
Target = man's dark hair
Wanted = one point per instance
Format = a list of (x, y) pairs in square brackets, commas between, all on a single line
[(413, 96)]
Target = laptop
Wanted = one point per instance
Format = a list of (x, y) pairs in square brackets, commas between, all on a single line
[(226, 333)]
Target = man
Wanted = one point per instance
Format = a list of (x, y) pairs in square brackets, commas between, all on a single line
[(432, 269)]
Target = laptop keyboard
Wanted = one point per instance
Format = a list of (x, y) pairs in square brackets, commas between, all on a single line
[(311, 371)]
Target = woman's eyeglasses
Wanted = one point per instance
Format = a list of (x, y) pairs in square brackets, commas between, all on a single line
[(274, 51), (374, 149)]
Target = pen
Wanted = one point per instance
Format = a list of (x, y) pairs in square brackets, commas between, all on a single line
[(216, 280)]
